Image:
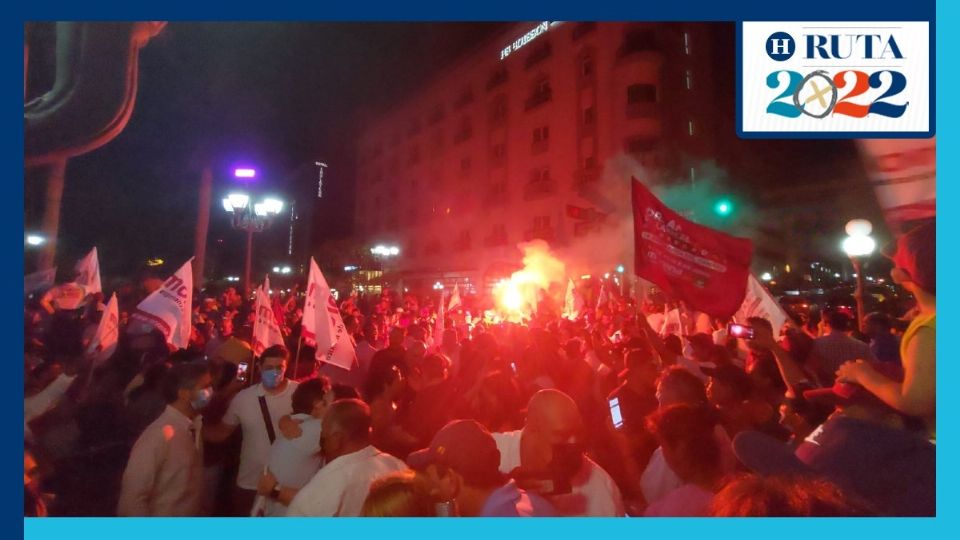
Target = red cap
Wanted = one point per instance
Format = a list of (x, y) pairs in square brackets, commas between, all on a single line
[(844, 394)]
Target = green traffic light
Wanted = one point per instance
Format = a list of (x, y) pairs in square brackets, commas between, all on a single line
[(723, 207)]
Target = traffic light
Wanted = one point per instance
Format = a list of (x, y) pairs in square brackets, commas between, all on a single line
[(723, 207)]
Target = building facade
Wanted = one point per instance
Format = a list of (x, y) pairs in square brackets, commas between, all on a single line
[(534, 135)]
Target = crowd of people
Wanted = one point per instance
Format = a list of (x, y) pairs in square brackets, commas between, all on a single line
[(609, 414)]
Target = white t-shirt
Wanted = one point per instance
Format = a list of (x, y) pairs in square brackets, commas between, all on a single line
[(245, 411), (340, 488), (44, 400), (293, 462), (594, 493)]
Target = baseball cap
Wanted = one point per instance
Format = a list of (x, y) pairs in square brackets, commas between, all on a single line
[(843, 394), (916, 252), (893, 470), (464, 446)]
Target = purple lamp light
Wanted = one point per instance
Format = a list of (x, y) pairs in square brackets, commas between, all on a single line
[(244, 173)]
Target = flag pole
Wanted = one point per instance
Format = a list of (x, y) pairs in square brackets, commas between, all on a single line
[(296, 359)]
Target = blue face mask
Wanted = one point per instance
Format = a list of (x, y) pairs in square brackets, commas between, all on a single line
[(202, 398), (271, 378)]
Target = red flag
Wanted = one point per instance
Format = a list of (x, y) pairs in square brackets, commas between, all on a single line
[(705, 268)]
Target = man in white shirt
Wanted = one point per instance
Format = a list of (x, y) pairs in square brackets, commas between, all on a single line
[(294, 461), (545, 455), (164, 475), (250, 409), (341, 486)]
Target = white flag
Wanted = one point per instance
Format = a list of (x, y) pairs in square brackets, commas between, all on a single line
[(104, 342), (672, 323), (169, 308), (266, 331), (39, 280), (604, 298), (571, 309), (454, 298), (322, 324), (904, 176), (89, 273), (759, 303)]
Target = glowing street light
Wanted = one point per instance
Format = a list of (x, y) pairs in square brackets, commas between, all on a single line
[(438, 286), (251, 217), (244, 173), (766, 276), (857, 245), (35, 240)]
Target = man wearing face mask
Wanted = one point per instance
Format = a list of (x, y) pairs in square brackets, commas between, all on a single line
[(352, 464), (257, 410), (547, 456), (164, 475)]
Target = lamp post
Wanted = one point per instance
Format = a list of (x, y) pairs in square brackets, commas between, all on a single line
[(250, 217), (858, 245)]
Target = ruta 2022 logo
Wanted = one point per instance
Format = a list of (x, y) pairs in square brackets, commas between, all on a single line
[(835, 77)]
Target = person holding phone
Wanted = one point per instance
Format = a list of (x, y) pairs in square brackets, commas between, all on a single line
[(257, 411), (547, 456)]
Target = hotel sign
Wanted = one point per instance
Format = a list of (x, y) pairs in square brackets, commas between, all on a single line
[(526, 38)]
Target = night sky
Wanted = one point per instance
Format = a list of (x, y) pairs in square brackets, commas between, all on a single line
[(282, 96), (278, 96)]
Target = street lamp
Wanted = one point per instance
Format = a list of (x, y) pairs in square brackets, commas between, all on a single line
[(858, 245), (35, 240), (251, 217)]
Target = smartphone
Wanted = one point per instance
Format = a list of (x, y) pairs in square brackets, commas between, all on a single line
[(739, 331), (615, 413), (243, 369)]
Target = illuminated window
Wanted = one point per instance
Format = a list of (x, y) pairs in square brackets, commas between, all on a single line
[(690, 127), (689, 79), (686, 43)]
